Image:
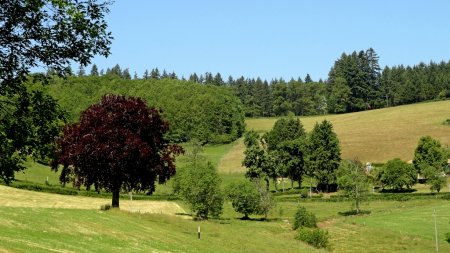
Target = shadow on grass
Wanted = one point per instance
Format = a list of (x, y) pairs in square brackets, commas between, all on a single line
[(353, 212), (397, 191)]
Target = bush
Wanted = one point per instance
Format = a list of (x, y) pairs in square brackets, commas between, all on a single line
[(314, 236), (447, 237), (105, 207), (304, 218), (304, 193)]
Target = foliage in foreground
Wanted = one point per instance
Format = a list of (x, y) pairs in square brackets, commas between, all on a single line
[(198, 184), (118, 143), (314, 236), (49, 34)]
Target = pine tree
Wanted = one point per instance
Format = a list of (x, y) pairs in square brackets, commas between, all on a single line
[(308, 79), (324, 155), (154, 74), (218, 80), (126, 74), (145, 76), (193, 78), (94, 70), (81, 71)]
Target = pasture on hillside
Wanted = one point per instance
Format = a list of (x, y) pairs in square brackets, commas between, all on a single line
[(379, 135)]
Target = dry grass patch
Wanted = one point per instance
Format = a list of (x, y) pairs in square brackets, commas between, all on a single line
[(12, 197), (380, 135), (231, 162)]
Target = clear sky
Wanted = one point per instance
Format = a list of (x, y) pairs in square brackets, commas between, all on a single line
[(272, 38)]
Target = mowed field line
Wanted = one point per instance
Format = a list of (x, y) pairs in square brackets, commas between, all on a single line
[(12, 197), (379, 135), (231, 162)]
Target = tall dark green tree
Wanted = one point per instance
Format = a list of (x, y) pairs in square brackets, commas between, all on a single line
[(324, 155)]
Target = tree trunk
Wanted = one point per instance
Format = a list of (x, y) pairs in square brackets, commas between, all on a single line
[(115, 197)]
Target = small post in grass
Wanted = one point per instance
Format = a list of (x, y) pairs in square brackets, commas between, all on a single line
[(198, 232)]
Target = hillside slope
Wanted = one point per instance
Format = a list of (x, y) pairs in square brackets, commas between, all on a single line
[(376, 135)]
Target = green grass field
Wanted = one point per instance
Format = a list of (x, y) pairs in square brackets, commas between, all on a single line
[(36, 224), (43, 222)]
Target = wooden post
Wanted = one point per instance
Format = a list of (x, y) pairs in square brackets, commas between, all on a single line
[(198, 232)]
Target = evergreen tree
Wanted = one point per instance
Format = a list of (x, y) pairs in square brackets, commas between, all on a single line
[(193, 78), (324, 155), (145, 76), (308, 79), (116, 70), (155, 74), (164, 74), (218, 80), (94, 70), (126, 74), (81, 71)]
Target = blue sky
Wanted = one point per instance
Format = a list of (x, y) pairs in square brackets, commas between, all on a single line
[(272, 38)]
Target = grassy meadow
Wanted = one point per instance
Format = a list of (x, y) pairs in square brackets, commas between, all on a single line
[(43, 222), (383, 134)]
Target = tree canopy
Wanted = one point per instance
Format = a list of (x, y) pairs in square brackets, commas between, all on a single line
[(49, 34), (208, 113), (119, 143), (324, 154), (397, 174)]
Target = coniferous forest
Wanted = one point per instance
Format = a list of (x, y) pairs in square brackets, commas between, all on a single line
[(212, 108), (355, 82)]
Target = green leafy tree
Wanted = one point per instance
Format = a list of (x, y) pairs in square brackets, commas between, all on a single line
[(353, 181), (284, 129), (251, 138), (324, 154), (429, 152), (245, 198), (260, 165), (436, 178), (397, 174), (34, 34), (199, 185)]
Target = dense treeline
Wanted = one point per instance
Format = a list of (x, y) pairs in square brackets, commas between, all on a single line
[(355, 82), (209, 113)]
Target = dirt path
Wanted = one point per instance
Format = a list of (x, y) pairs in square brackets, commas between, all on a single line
[(12, 197)]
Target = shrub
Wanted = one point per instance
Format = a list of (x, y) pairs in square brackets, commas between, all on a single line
[(105, 207), (304, 193), (304, 218), (314, 236)]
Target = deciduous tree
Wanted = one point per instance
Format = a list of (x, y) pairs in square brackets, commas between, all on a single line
[(33, 34), (119, 143)]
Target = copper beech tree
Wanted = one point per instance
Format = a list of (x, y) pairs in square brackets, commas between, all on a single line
[(118, 144)]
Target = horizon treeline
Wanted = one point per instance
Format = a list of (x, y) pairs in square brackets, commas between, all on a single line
[(355, 82)]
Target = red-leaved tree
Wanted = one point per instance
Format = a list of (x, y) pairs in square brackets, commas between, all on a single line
[(118, 144)]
